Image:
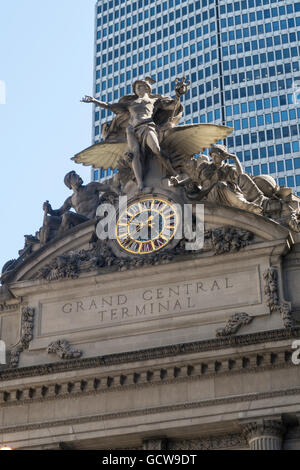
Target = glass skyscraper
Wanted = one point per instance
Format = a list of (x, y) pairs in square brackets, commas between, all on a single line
[(242, 58)]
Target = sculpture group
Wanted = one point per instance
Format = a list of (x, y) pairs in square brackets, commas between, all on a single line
[(227, 184), (144, 141)]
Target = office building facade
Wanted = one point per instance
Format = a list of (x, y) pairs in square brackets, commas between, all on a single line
[(242, 58)]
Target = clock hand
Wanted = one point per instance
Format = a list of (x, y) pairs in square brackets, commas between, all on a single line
[(139, 228)]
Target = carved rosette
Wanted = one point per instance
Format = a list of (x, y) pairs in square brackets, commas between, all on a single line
[(27, 324), (63, 350), (264, 434), (234, 324)]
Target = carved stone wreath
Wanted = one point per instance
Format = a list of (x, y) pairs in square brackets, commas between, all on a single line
[(234, 324)]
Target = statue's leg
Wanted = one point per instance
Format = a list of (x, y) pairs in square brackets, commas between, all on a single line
[(236, 199), (69, 220), (153, 143), (223, 194), (134, 148), (250, 189), (51, 224)]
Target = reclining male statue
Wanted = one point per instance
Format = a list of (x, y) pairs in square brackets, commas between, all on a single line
[(85, 201)]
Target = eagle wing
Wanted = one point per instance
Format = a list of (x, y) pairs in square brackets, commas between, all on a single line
[(182, 142), (103, 155)]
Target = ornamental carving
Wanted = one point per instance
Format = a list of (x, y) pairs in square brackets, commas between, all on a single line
[(271, 288), (155, 444), (234, 324), (71, 265), (63, 350), (262, 428), (27, 324), (210, 443), (273, 302), (229, 239)]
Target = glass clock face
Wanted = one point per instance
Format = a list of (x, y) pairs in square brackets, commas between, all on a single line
[(147, 225)]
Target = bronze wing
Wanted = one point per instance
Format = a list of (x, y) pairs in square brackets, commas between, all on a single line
[(103, 155), (182, 142)]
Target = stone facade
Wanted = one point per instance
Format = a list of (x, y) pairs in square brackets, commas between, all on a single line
[(189, 351)]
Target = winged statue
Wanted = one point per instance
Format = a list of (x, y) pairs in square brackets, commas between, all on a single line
[(146, 122)]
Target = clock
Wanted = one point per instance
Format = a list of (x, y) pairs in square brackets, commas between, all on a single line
[(147, 225)]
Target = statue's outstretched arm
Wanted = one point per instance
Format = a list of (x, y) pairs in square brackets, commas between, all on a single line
[(91, 99), (67, 205), (114, 107)]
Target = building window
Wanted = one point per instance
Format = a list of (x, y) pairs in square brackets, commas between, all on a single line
[(290, 181)]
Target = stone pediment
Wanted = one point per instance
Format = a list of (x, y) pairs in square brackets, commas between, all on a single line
[(227, 230)]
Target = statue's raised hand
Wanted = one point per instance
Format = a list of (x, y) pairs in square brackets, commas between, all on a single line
[(181, 86), (88, 99)]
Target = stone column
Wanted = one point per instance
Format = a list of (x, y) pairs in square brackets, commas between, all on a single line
[(155, 444), (264, 434)]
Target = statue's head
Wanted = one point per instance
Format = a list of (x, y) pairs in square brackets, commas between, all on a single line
[(219, 153), (72, 180), (143, 87)]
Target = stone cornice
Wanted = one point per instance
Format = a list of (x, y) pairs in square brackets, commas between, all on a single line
[(150, 354), (60, 389), (151, 411)]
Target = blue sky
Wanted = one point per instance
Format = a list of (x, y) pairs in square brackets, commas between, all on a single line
[(46, 62)]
